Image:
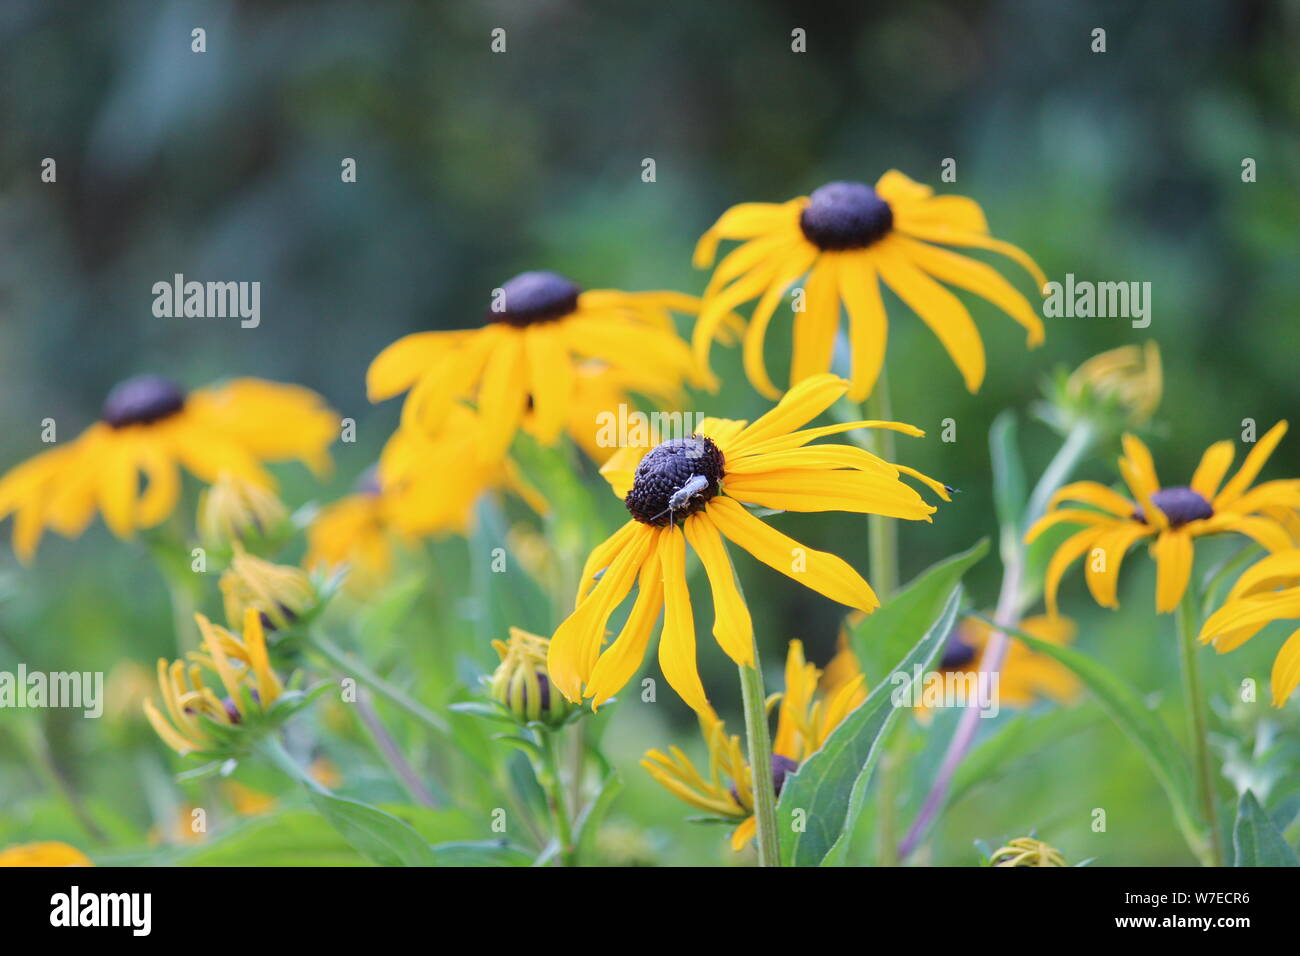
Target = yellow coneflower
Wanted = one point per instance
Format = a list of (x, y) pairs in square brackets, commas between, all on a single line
[(811, 707), (1173, 515), (432, 482), (845, 237), (48, 853), (280, 594), (355, 532), (149, 427), (520, 683), (695, 490), (540, 328), (245, 671), (1267, 591), (1026, 851), (233, 508)]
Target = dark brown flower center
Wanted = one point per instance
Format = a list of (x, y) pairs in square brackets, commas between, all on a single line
[(676, 479), (782, 767), (845, 216), (534, 297), (141, 400), (957, 654), (1180, 505)]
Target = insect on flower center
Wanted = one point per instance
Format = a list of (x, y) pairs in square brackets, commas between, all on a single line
[(534, 297), (845, 216), (142, 400), (667, 485), (1180, 505)]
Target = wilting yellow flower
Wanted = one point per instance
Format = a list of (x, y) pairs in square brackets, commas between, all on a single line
[(1026, 851), (432, 483), (1173, 515), (234, 507), (1129, 377), (150, 427), (845, 237), (520, 683), (50, 853), (540, 328), (1267, 591), (245, 671), (805, 718), (356, 532), (278, 592), (695, 490)]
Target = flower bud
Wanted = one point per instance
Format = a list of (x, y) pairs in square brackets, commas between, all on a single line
[(1114, 391), (280, 593), (520, 683), (1026, 851), (234, 509)]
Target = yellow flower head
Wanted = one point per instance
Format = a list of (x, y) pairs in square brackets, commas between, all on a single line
[(602, 398), (431, 483), (1026, 676), (805, 718), (150, 427), (520, 683), (50, 853), (1267, 591), (1129, 377), (540, 328), (695, 490), (192, 707), (846, 238), (354, 532), (233, 508), (1026, 851), (280, 594), (1172, 515)]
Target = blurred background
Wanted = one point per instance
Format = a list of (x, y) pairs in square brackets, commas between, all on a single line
[(473, 166)]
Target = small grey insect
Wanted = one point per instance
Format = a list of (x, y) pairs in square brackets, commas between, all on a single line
[(693, 488)]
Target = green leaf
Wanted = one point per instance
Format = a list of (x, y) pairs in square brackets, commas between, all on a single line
[(484, 853), (1008, 472), (379, 836), (588, 824), (1256, 840), (825, 794), (1139, 723), (882, 638)]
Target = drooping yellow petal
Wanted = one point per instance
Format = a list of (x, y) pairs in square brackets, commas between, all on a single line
[(732, 626), (816, 325), (795, 265), (819, 490), (1098, 495), (551, 373), (397, 367), (804, 402), (1063, 557), (619, 662), (742, 221), (868, 325), (1065, 516), (1105, 557), (1268, 573), (502, 396), (743, 834), (677, 643), (1286, 670), (1172, 551)]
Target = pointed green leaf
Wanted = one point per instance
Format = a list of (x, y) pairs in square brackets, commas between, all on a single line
[(1256, 840)]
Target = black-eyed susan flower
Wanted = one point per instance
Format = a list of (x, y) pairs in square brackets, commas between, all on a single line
[(695, 490), (355, 532), (846, 238), (198, 720), (46, 853), (540, 327), (1172, 515), (1267, 591), (234, 508), (603, 400), (279, 594), (813, 705), (1026, 676), (431, 483), (520, 683), (1026, 851), (149, 427)]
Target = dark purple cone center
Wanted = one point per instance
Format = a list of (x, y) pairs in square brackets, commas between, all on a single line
[(845, 216), (957, 654), (665, 471), (782, 767), (534, 297), (1180, 505), (141, 400)]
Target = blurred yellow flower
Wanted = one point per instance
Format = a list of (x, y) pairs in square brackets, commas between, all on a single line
[(50, 853), (278, 592), (245, 671), (540, 328), (432, 483), (150, 427), (232, 508), (1267, 591), (1026, 851), (355, 531), (1026, 676), (695, 490), (1173, 515), (1129, 377), (846, 238), (600, 394), (807, 712)]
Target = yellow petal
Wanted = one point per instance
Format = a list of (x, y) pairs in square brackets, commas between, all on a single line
[(732, 626), (619, 662), (1098, 495), (804, 402), (677, 643), (1214, 465), (868, 325), (1172, 551), (1250, 468), (816, 325), (1286, 670)]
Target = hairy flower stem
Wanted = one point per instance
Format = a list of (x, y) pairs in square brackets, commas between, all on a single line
[(1006, 614), (1212, 853), (548, 775), (760, 762)]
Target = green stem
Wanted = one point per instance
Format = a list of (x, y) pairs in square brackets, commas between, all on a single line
[(349, 664), (760, 762), (271, 748), (1196, 715), (555, 800), (882, 532)]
